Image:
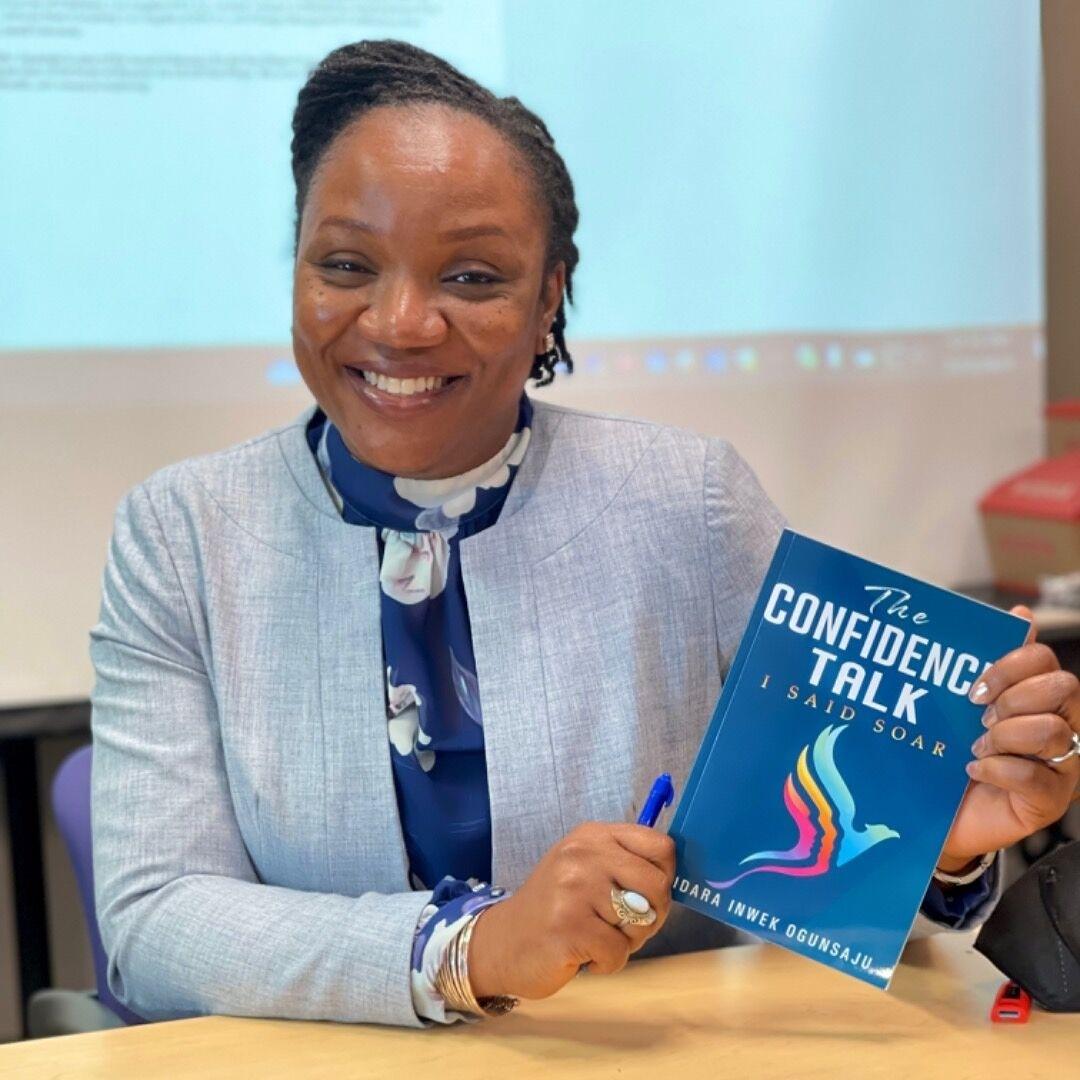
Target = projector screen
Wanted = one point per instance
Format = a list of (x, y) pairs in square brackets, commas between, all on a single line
[(812, 227)]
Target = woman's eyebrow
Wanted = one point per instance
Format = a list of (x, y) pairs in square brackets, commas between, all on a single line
[(346, 223), (466, 232)]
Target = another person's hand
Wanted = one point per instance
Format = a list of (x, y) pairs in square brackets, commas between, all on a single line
[(561, 918), (1033, 708)]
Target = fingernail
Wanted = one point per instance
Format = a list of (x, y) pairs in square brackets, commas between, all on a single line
[(989, 716), (971, 766), (978, 745), (978, 692)]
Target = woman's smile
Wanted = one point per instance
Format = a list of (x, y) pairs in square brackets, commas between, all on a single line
[(402, 394)]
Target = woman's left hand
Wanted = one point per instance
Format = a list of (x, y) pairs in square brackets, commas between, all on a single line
[(1033, 708)]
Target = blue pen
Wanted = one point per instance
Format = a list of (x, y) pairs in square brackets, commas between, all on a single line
[(661, 795)]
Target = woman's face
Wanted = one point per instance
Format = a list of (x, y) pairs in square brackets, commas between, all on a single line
[(421, 261)]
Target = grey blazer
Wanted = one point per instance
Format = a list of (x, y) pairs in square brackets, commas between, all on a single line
[(247, 849)]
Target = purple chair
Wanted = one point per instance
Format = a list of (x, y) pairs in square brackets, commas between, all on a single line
[(64, 1012)]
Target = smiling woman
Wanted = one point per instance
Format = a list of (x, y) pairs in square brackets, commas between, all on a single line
[(422, 255), (377, 690), (434, 242)]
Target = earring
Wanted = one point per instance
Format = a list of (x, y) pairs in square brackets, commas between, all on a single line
[(551, 349), (548, 360)]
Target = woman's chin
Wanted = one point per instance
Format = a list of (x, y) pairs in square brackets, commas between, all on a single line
[(397, 456)]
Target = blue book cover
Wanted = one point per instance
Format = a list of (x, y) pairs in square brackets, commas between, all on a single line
[(834, 763)]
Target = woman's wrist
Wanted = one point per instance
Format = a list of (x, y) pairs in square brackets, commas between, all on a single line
[(951, 874), (455, 984), (486, 976), (959, 867), (454, 906)]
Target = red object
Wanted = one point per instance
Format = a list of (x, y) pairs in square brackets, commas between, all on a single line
[(1064, 410), (1012, 1004), (1048, 489)]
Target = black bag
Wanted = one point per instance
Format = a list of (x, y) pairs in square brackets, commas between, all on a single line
[(1033, 935)]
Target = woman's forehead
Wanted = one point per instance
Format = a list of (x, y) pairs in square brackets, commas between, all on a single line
[(428, 159)]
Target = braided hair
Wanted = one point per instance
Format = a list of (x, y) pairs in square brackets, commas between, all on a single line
[(356, 78)]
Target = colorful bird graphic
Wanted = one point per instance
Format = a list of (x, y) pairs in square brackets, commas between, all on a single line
[(829, 827)]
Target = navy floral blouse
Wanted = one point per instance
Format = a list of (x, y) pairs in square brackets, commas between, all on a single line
[(434, 714)]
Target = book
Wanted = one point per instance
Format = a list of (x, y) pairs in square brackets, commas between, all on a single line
[(834, 763)]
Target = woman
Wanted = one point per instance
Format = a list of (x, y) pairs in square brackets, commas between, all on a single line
[(377, 690)]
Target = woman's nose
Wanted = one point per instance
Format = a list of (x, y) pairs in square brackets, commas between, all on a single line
[(401, 315)]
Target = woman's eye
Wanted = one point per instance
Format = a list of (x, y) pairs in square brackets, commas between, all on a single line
[(345, 265), (475, 277)]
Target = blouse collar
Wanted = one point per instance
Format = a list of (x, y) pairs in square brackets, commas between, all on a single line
[(369, 496)]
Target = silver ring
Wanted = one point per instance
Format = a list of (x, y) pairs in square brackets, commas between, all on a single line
[(631, 907), (1073, 751)]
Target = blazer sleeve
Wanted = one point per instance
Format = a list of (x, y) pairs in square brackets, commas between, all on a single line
[(743, 527), (187, 927)]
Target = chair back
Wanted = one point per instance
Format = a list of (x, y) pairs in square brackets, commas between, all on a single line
[(71, 807)]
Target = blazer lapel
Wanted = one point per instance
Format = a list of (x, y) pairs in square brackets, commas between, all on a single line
[(498, 570), (365, 848), (516, 730), (364, 839)]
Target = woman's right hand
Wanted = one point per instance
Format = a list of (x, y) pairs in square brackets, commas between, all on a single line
[(533, 943)]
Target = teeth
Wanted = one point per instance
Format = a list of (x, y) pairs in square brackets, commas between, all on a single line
[(403, 387)]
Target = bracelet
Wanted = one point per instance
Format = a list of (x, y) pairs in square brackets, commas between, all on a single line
[(452, 981), (972, 875)]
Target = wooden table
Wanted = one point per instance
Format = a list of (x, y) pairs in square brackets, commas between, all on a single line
[(748, 1011)]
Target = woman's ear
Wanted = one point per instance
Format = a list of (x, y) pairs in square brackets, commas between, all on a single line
[(550, 296)]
